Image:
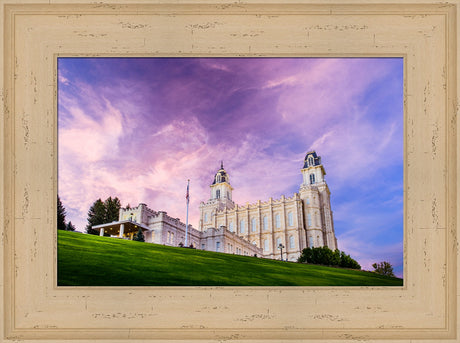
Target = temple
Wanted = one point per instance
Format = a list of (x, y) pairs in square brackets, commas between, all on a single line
[(264, 228)]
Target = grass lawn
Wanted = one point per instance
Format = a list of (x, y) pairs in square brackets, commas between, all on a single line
[(86, 260)]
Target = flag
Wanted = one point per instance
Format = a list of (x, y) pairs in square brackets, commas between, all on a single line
[(187, 196)]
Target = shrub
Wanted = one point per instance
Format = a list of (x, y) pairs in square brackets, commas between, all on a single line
[(383, 268), (325, 256), (139, 236)]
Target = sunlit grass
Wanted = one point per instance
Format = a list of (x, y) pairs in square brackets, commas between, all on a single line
[(86, 260)]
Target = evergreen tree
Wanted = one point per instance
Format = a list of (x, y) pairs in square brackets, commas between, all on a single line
[(70, 226), (96, 216), (139, 236), (60, 215), (102, 212), (112, 209)]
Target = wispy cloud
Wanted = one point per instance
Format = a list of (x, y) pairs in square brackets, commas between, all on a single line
[(287, 81), (139, 128)]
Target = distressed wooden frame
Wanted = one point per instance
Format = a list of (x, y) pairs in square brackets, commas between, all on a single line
[(34, 34)]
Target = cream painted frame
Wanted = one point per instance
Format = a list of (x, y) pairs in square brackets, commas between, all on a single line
[(34, 309)]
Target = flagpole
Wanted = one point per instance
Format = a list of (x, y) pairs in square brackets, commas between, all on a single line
[(186, 220)]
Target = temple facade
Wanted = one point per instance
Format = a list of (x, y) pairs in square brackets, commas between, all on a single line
[(160, 228), (292, 223), (264, 228)]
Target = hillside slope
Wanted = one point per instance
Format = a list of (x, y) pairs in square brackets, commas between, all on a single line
[(86, 260)]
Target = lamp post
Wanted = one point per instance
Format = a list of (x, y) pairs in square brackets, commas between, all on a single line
[(281, 246)]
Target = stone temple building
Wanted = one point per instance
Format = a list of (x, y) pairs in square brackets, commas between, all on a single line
[(301, 220), (160, 228), (262, 228)]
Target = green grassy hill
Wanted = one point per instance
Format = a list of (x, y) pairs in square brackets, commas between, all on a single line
[(86, 260)]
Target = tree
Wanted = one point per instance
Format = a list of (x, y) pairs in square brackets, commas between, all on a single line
[(336, 258), (96, 216), (325, 256), (102, 212), (305, 256), (139, 236), (347, 262), (60, 215), (112, 209), (383, 268), (70, 226)]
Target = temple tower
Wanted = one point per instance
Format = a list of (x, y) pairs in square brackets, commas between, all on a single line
[(315, 196), (221, 199)]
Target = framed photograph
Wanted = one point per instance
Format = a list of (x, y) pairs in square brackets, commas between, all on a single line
[(37, 36)]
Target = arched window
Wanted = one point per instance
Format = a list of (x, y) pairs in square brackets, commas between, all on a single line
[(242, 226), (290, 219), (265, 223), (311, 162), (266, 245), (309, 219), (277, 221), (312, 178), (291, 242), (218, 194), (228, 196), (218, 178), (205, 217), (253, 225), (278, 242), (308, 201), (230, 226), (311, 242)]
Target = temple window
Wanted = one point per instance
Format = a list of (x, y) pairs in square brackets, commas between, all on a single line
[(266, 245), (277, 221)]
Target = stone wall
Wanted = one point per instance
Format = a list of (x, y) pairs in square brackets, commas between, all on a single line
[(222, 240)]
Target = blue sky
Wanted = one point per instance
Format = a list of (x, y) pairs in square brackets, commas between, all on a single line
[(139, 128)]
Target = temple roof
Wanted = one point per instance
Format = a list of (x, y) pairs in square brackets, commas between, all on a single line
[(221, 175), (316, 159)]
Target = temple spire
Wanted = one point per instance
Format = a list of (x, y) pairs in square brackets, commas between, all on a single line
[(220, 187)]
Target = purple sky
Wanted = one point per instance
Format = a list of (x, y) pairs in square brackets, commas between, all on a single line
[(138, 128)]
